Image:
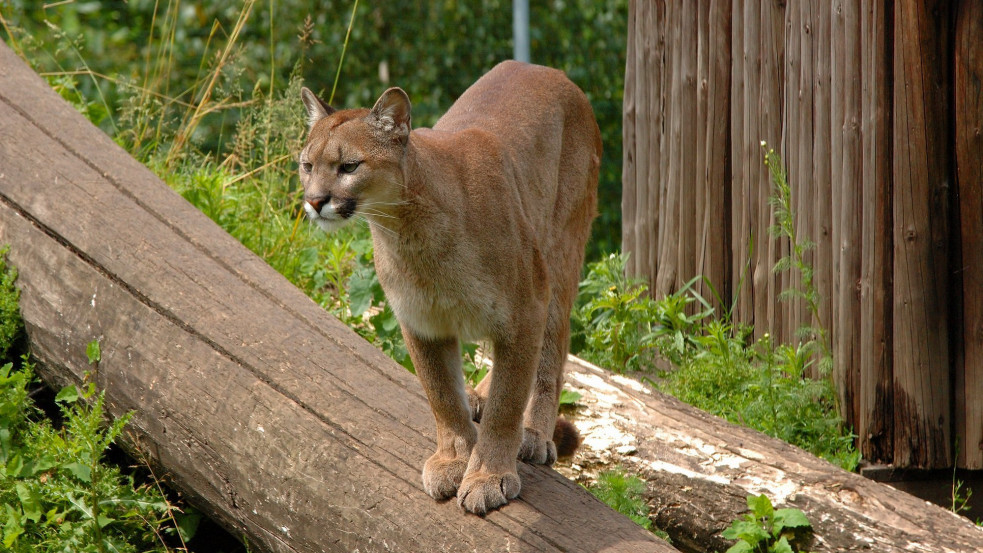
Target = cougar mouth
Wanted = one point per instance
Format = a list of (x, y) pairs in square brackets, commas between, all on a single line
[(330, 214)]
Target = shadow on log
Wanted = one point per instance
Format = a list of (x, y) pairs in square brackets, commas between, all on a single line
[(276, 419)]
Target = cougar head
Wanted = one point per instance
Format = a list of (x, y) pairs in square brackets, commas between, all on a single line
[(351, 163)]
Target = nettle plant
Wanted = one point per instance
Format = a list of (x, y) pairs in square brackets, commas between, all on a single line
[(768, 530)]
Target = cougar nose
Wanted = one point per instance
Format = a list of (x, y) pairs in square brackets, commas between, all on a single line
[(317, 202)]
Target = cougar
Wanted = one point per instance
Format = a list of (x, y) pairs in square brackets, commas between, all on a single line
[(479, 226)]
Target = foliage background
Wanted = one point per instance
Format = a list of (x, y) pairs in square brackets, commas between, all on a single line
[(434, 50)]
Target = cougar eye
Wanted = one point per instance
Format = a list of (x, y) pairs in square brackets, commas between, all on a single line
[(307, 166), (349, 167)]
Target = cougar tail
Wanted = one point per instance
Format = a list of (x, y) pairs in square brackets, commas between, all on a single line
[(566, 438)]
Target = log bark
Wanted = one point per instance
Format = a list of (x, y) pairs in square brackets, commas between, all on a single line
[(265, 411), (699, 470)]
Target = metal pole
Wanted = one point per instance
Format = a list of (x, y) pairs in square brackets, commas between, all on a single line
[(520, 29)]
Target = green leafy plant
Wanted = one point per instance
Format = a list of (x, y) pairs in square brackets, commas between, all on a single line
[(56, 492), (766, 529), (623, 493), (784, 227), (715, 364), (10, 320), (569, 398)]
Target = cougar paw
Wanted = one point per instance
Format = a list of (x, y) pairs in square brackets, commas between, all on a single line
[(476, 403), (442, 475), (536, 448), (482, 491)]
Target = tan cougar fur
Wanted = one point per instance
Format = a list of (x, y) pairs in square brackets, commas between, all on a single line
[(479, 226)]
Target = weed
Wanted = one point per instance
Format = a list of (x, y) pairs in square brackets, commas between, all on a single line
[(623, 493), (715, 364), (768, 530), (55, 491), (784, 227), (10, 321)]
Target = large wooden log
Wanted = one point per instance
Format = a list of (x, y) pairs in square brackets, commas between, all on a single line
[(271, 415), (699, 470)]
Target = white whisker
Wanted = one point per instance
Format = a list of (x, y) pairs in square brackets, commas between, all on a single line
[(375, 213), (374, 226)]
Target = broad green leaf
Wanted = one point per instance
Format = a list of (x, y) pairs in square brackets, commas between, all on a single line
[(105, 521), (746, 530), (79, 471), (13, 528), (15, 465), (93, 352), (79, 504), (569, 397), (789, 518), (781, 546), (187, 523), (6, 445), (68, 394), (30, 503), (361, 291), (741, 547), (760, 506)]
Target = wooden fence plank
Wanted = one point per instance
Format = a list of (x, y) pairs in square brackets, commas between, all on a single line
[(715, 260), (922, 188), (969, 166), (658, 83), (740, 236), (822, 164), (875, 406), (668, 256), (759, 272), (848, 248), (770, 111), (630, 140)]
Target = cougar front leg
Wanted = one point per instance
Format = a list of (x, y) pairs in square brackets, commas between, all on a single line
[(438, 365), (491, 478)]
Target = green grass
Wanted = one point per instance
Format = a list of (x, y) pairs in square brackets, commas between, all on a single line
[(715, 364), (10, 321), (625, 493)]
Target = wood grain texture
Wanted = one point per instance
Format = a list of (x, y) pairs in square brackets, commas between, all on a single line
[(969, 172), (874, 396), (922, 200), (265, 411), (848, 211), (629, 162)]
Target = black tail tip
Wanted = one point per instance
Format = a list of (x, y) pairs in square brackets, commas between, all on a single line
[(566, 437)]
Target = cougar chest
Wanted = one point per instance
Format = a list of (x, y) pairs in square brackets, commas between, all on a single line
[(438, 297)]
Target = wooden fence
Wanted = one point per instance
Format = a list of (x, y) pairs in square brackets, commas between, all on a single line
[(876, 108)]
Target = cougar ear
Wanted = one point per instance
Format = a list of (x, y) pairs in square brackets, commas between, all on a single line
[(317, 108), (391, 114)]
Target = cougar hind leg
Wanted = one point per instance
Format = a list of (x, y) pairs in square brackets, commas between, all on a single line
[(540, 422)]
